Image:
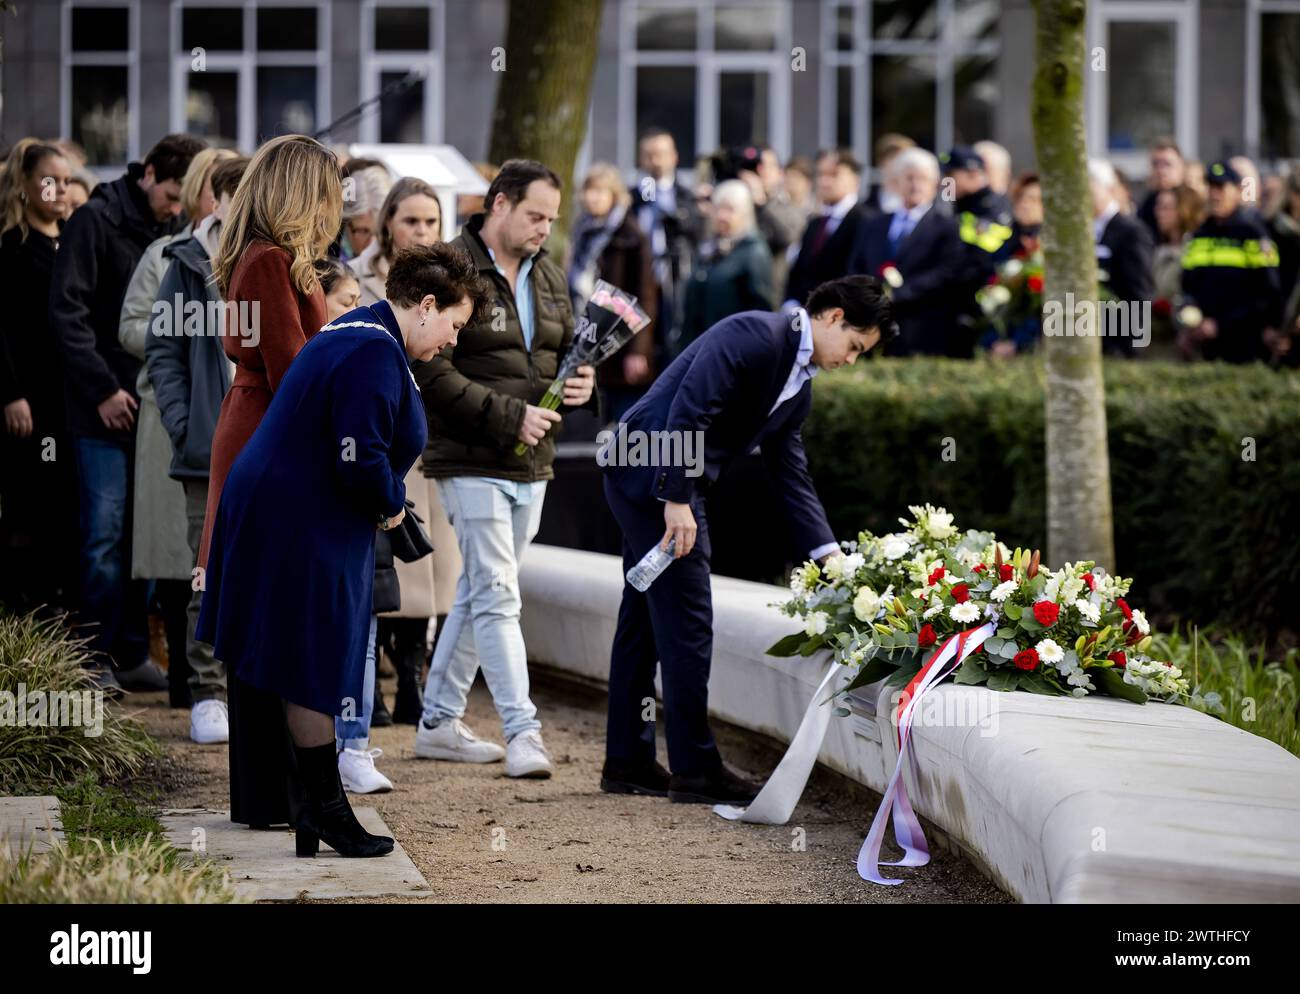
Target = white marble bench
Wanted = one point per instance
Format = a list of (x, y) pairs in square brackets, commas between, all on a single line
[(1059, 799)]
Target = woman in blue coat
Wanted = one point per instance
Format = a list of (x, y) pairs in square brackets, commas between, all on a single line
[(290, 572)]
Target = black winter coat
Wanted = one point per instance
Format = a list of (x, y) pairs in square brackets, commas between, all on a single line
[(101, 245)]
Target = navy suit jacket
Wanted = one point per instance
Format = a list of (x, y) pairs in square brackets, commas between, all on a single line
[(724, 385), (930, 261)]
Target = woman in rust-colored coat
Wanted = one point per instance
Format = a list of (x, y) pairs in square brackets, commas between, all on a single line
[(285, 213)]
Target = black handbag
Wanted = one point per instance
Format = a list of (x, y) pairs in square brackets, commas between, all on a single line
[(409, 539)]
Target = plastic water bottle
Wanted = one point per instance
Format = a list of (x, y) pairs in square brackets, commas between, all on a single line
[(651, 565)]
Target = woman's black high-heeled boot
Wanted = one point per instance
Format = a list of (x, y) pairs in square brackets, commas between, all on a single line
[(326, 814)]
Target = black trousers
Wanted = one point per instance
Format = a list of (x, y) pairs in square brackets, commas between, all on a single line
[(670, 625)]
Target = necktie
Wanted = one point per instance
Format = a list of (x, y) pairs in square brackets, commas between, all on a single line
[(819, 236)]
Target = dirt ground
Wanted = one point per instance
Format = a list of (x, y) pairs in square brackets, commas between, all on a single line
[(478, 836)]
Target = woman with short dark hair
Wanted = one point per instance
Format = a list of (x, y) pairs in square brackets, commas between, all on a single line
[(290, 571)]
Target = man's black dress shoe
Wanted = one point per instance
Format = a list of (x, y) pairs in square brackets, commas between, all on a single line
[(618, 779), (721, 787)]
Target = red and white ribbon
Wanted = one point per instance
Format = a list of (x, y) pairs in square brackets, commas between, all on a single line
[(907, 827)]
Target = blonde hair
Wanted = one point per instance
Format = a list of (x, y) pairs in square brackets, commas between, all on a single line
[(21, 163), (197, 176), (603, 174), (292, 196)]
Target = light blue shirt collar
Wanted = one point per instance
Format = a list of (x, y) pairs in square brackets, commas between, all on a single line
[(523, 295)]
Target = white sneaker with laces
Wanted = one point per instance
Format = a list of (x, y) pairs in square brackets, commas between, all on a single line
[(526, 756), (358, 773), (453, 740), (209, 722)]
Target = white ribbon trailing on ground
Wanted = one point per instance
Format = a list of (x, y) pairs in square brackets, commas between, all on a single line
[(776, 802), (907, 827)]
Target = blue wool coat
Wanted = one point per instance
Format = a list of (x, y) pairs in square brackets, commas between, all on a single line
[(290, 572)]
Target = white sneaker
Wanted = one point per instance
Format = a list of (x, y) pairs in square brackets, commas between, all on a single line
[(526, 756), (209, 723), (453, 740), (358, 773)]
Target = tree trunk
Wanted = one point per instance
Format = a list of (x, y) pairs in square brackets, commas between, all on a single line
[(1078, 465), (545, 88)]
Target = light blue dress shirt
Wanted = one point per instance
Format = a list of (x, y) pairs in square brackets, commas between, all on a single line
[(523, 296)]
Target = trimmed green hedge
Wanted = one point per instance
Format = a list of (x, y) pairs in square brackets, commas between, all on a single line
[(1207, 534)]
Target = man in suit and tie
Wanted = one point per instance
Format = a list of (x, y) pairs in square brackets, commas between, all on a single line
[(666, 211), (831, 234), (1124, 261), (745, 382), (921, 242)]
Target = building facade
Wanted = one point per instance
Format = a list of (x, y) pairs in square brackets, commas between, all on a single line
[(1220, 75)]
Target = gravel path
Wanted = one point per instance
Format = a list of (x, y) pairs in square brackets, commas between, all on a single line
[(478, 836)]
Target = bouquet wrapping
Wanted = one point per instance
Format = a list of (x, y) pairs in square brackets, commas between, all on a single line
[(610, 320)]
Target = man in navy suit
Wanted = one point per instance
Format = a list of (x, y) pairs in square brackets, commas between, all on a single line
[(921, 242), (832, 232), (745, 382)]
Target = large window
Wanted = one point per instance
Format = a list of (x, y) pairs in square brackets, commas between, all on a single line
[(923, 68), (714, 73), (1148, 86), (244, 71), (100, 52), (401, 47), (1273, 93)]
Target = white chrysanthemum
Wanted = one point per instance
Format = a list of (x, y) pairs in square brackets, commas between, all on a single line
[(1004, 590), (967, 612), (1088, 610), (1049, 651), (933, 609), (1140, 620), (894, 547), (815, 623), (866, 604)]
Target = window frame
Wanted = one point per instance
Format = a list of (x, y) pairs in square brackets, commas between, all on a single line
[(1253, 118), (947, 48), (130, 59), (1185, 16), (246, 62), (708, 64), (430, 58)]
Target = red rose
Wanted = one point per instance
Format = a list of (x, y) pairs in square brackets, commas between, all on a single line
[(1123, 606), (925, 637), (961, 593), (992, 280), (937, 575), (980, 567), (1046, 613), (1005, 572), (1036, 283), (1162, 307), (1026, 659), (1087, 581), (1118, 658)]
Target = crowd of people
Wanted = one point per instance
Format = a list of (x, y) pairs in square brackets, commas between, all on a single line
[(166, 387)]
